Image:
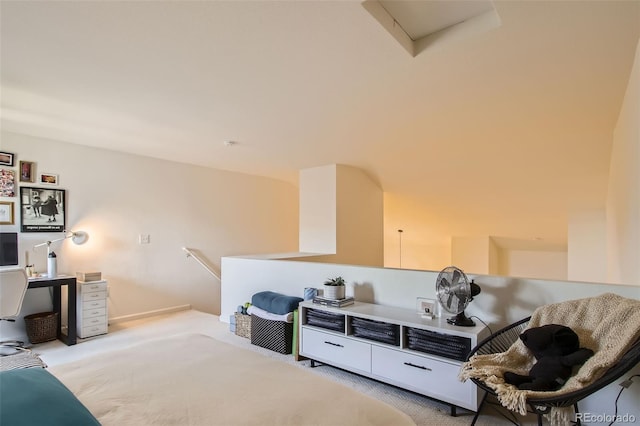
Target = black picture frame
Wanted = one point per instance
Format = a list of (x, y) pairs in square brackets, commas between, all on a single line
[(7, 158), (42, 209)]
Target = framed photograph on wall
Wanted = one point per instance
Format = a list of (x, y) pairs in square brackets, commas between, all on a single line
[(427, 308), (42, 209), (6, 213), (27, 171), (7, 183), (6, 158), (48, 179)]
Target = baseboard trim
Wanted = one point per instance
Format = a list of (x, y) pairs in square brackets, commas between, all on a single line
[(148, 314)]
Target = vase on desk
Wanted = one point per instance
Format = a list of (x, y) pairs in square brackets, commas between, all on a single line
[(52, 265)]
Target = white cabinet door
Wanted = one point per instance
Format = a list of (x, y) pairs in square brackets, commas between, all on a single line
[(424, 375), (337, 350)]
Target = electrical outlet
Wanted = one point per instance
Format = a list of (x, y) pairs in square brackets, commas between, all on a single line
[(144, 239)]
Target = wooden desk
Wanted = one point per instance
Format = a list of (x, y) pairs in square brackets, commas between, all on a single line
[(56, 284)]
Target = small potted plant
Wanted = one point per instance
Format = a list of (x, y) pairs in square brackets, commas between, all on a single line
[(334, 288)]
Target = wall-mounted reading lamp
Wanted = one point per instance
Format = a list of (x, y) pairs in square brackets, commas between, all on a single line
[(78, 237)]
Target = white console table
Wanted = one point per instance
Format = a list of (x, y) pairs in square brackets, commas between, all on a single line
[(401, 348)]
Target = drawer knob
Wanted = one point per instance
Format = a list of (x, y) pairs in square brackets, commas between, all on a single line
[(333, 344), (421, 367)]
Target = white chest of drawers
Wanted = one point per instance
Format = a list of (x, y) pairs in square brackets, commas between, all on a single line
[(405, 360), (92, 308)]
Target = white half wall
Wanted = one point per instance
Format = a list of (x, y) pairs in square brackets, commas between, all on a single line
[(503, 299)]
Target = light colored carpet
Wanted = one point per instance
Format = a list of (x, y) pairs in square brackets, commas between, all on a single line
[(423, 411), (197, 380)]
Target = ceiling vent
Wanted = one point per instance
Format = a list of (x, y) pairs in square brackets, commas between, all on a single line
[(418, 25)]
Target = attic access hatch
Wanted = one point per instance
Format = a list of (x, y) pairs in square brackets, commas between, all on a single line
[(417, 25)]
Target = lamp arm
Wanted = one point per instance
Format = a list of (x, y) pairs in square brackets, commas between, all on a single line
[(48, 243)]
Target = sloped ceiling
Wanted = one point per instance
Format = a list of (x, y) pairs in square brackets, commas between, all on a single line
[(499, 134)]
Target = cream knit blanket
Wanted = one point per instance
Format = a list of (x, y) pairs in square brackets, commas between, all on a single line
[(607, 324)]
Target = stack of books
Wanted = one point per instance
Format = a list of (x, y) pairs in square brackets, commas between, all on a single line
[(89, 276), (334, 303)]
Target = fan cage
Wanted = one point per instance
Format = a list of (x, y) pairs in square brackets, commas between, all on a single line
[(443, 295)]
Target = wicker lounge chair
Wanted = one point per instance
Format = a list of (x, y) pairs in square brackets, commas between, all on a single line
[(501, 340)]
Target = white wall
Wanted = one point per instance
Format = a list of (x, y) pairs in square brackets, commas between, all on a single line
[(472, 254), (341, 214), (318, 209), (115, 197), (543, 264), (422, 246), (360, 218), (623, 202), (587, 246)]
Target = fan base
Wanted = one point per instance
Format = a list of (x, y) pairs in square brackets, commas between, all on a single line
[(461, 320)]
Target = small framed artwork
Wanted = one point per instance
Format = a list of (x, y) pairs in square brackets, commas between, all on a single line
[(6, 213), (48, 179), (7, 183), (6, 158), (427, 308), (42, 209), (26, 171)]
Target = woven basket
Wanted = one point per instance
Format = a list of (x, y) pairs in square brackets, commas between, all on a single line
[(42, 327), (272, 334), (243, 325)]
